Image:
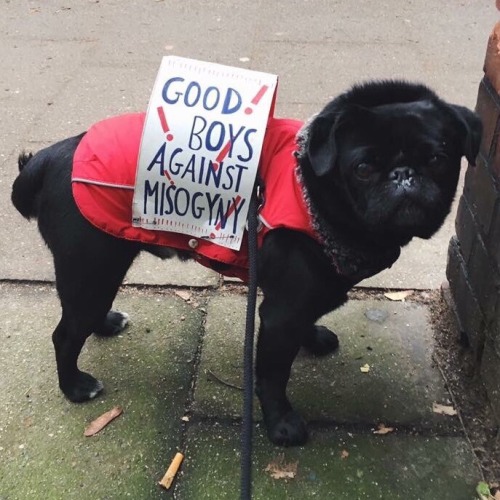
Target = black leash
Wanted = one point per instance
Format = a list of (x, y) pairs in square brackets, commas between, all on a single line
[(247, 425)]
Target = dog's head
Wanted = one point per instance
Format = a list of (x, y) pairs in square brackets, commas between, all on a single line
[(386, 155)]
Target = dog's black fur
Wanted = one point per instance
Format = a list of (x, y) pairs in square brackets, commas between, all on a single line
[(380, 165)]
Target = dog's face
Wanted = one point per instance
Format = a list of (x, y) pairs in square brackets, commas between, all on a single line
[(392, 167)]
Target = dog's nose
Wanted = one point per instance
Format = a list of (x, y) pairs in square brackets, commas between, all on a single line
[(401, 174)]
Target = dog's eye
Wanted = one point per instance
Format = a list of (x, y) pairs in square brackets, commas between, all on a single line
[(437, 159), (364, 170)]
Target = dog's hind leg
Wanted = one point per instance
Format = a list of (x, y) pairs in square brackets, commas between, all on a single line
[(69, 337), (87, 292), (320, 341), (90, 264), (114, 323)]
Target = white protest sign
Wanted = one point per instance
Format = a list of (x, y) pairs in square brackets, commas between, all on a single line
[(200, 149)]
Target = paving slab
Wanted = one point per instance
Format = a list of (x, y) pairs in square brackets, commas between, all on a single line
[(334, 464), (147, 370), (393, 338)]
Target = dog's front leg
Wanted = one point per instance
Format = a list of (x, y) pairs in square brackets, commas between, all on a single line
[(299, 287), (278, 344)]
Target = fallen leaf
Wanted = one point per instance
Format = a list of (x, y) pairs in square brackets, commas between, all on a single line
[(483, 490), (278, 469), (344, 454), (100, 422), (365, 368), (382, 429), (183, 295), (443, 409), (400, 296)]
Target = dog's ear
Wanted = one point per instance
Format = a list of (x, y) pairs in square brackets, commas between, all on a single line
[(471, 130), (321, 147)]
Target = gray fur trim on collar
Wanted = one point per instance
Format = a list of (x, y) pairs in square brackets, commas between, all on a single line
[(302, 137), (349, 259)]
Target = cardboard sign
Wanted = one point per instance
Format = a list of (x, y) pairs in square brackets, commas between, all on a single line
[(200, 149)]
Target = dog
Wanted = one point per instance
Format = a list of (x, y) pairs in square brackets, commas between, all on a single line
[(378, 166)]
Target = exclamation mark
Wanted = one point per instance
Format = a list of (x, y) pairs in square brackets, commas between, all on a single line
[(256, 99), (168, 135), (222, 154), (164, 124)]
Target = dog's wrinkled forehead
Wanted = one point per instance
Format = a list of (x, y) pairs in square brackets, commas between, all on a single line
[(393, 126), (383, 119), (412, 108), (419, 113), (402, 117)]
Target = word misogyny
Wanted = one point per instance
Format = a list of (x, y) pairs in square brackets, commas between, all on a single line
[(165, 198)]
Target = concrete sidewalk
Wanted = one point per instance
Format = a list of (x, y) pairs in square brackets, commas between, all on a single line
[(68, 64), (170, 372)]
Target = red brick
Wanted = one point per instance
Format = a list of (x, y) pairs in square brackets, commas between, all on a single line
[(492, 60), (483, 277), (469, 314), (493, 332), (481, 193), (494, 158), (466, 228), (493, 238), (488, 109)]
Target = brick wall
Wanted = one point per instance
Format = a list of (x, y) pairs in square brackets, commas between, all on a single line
[(474, 253)]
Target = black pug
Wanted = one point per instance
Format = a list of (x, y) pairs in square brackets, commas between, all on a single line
[(378, 166)]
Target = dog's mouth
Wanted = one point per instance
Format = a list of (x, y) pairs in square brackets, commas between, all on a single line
[(408, 214), (419, 191), (405, 205)]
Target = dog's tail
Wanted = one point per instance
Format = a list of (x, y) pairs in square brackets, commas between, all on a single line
[(27, 186)]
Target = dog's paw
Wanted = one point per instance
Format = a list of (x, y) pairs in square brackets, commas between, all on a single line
[(321, 341), (114, 323), (83, 388), (289, 430)]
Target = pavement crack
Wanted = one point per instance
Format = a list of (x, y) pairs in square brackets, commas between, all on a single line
[(188, 407)]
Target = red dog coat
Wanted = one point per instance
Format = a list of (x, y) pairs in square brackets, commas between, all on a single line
[(104, 168)]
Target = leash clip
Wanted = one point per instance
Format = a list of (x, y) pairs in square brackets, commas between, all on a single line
[(260, 200), (259, 195)]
